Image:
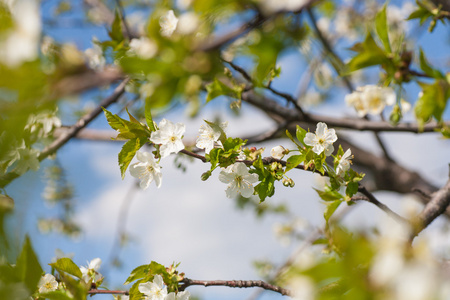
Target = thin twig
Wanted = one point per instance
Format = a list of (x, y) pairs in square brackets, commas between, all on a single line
[(186, 282), (371, 198)]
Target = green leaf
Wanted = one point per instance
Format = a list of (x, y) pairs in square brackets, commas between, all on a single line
[(352, 188), (266, 187), (78, 288), (148, 116), (27, 266), (381, 26), (217, 88), (116, 28), (428, 69), (369, 54), (432, 102), (330, 209), (138, 273), (300, 134), (294, 161), (289, 135), (127, 129), (56, 295), (329, 195), (127, 153), (214, 157), (68, 266)]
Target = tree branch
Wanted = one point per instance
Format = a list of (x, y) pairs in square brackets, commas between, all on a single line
[(440, 200), (186, 282)]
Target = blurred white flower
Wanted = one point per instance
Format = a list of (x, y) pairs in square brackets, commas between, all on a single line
[(47, 283), (22, 41), (273, 6), (146, 170), (95, 57), (209, 137), (344, 163), (188, 23), (90, 273), (323, 139), (303, 288), (169, 136), (168, 23), (28, 159), (239, 180), (154, 290), (43, 123), (143, 48), (370, 99)]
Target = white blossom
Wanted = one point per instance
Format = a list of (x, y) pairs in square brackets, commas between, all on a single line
[(43, 123), (95, 57), (47, 283), (22, 41), (239, 180), (278, 152), (169, 136), (179, 296), (209, 137), (154, 290), (28, 159), (188, 23), (168, 23), (143, 48), (91, 271), (273, 6), (344, 163), (321, 141), (146, 170), (370, 99)]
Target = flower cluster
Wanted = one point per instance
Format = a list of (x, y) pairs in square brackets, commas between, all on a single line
[(168, 138), (156, 290), (370, 99)]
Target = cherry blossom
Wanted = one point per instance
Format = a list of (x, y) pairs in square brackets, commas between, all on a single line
[(209, 137), (239, 180), (146, 170), (47, 283), (344, 162), (168, 23), (169, 136), (323, 139), (180, 296), (370, 99), (143, 48), (154, 290), (91, 271)]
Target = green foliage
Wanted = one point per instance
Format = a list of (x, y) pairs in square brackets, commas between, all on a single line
[(127, 129), (27, 266), (428, 69), (427, 10), (433, 101), (294, 161), (218, 88), (116, 28), (368, 54), (68, 266), (330, 209), (128, 151), (382, 28)]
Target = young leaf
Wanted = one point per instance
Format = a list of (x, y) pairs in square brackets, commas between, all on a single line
[(300, 134), (68, 266), (148, 116), (116, 30), (27, 266), (329, 195), (381, 26), (138, 273), (433, 101), (217, 88), (427, 68), (56, 295), (294, 161), (370, 54), (330, 209), (127, 153)]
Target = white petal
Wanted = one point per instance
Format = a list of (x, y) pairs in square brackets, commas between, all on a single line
[(95, 264), (226, 177), (158, 280), (246, 189), (232, 190), (145, 288), (321, 129), (137, 170), (329, 150), (158, 179), (145, 181), (309, 139), (252, 178)]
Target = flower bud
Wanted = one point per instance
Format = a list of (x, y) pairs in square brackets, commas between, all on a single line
[(206, 175), (278, 152)]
